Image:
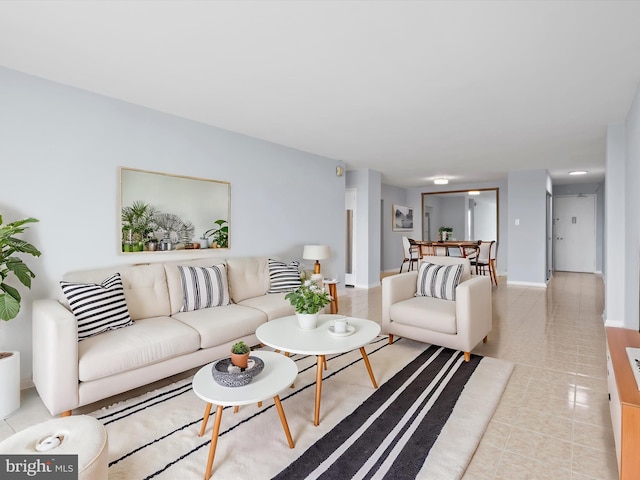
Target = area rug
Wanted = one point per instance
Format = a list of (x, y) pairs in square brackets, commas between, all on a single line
[(424, 421)]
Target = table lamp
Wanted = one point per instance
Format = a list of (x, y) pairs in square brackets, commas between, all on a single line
[(316, 252)]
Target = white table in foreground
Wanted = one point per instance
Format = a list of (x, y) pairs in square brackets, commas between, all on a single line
[(284, 334), (278, 374)]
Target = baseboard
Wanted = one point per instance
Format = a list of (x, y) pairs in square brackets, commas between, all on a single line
[(526, 284), (614, 323)]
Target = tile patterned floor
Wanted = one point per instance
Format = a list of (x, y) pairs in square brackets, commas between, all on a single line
[(553, 421)]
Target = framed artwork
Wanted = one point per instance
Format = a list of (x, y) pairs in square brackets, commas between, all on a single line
[(161, 211), (402, 218)]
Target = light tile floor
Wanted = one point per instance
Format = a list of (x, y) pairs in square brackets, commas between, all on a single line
[(553, 420)]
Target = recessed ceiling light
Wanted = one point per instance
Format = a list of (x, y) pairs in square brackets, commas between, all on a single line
[(474, 192), (578, 172), (441, 181)]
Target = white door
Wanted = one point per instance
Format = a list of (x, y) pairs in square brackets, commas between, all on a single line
[(574, 224), (350, 240)]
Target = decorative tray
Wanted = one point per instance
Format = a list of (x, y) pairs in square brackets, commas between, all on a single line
[(227, 374)]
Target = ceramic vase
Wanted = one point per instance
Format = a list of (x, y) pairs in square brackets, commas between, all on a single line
[(307, 321)]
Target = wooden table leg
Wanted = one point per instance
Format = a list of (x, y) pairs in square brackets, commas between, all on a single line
[(366, 362), (283, 419), (205, 418), (214, 442), (316, 413), (333, 305)]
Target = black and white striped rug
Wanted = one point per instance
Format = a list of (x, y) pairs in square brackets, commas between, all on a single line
[(424, 421)]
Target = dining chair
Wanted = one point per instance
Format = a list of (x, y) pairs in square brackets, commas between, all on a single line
[(411, 253), (469, 252), (485, 261)]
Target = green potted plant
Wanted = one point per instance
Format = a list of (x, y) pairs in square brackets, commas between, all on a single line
[(137, 225), (12, 265), (444, 233), (219, 235), (307, 300), (240, 354), (10, 244)]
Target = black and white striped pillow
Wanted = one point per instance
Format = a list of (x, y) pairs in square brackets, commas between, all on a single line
[(283, 277), (97, 307), (204, 287), (439, 281)]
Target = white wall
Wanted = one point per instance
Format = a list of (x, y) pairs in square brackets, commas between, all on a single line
[(368, 184), (391, 246), (615, 236), (61, 149), (528, 239)]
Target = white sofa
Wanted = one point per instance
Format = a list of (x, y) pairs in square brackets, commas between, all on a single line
[(162, 340), (459, 324)]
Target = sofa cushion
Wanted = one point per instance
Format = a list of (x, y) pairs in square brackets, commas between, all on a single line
[(438, 281), (248, 277), (97, 307), (426, 312), (145, 287), (147, 341), (274, 305), (174, 280), (283, 277), (220, 325), (203, 287)]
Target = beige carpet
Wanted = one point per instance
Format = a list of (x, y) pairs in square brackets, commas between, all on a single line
[(156, 435)]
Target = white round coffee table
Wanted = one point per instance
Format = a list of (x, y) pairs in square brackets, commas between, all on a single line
[(284, 334), (278, 374)]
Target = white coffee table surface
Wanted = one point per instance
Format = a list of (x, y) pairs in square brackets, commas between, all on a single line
[(284, 334), (278, 374)]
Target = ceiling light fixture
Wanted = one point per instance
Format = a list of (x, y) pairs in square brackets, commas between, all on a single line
[(441, 181), (578, 172), (474, 192)]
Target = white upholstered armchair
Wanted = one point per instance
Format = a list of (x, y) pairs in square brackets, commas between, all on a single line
[(459, 324)]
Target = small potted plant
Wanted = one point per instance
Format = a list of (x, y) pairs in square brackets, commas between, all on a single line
[(219, 234), (307, 300), (240, 354), (444, 233)]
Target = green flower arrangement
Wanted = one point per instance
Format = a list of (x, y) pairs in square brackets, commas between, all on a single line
[(308, 298)]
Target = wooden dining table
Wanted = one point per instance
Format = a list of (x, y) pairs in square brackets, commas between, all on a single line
[(462, 246)]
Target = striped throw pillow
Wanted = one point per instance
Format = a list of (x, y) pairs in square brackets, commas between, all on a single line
[(439, 281), (283, 277), (97, 307), (204, 287)]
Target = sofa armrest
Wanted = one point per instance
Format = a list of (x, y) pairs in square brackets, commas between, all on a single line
[(55, 355), (396, 288), (473, 309)]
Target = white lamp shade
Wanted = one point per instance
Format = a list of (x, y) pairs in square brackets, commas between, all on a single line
[(316, 252)]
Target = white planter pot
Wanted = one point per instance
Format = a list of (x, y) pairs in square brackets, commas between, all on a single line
[(307, 321), (9, 384)]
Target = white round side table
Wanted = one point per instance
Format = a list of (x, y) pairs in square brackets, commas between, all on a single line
[(278, 374)]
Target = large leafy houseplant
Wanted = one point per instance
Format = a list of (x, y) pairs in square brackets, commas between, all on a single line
[(308, 298), (10, 245)]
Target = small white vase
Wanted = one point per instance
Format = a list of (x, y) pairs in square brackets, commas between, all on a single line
[(307, 321)]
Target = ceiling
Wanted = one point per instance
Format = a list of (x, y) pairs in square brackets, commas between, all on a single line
[(414, 89)]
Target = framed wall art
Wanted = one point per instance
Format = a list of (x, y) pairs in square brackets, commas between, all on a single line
[(402, 218), (161, 211)]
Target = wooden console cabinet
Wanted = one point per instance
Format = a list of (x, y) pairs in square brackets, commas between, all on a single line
[(624, 401)]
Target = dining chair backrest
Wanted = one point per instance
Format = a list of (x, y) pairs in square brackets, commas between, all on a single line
[(493, 251), (406, 247), (484, 251)]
